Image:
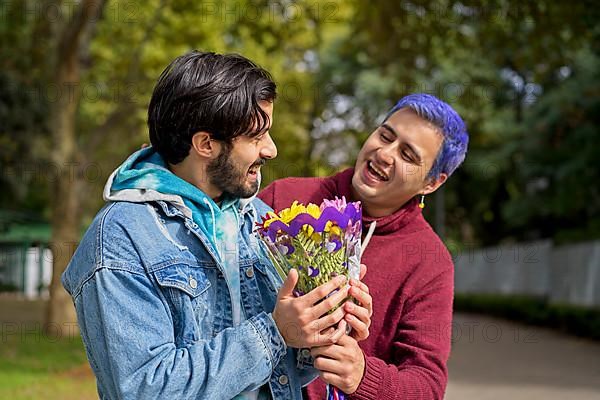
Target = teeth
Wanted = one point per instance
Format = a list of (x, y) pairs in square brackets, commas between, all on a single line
[(379, 172)]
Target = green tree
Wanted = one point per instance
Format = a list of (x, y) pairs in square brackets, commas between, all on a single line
[(557, 159), (491, 60), (101, 62)]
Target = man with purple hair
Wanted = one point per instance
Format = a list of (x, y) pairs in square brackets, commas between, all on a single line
[(410, 274)]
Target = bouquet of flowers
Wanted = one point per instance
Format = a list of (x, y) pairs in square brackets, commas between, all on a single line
[(320, 242)]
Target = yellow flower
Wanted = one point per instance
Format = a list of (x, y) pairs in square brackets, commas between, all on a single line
[(316, 237), (333, 229), (308, 230), (288, 214), (336, 230), (314, 210)]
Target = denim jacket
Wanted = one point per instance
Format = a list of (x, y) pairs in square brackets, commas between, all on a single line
[(155, 312)]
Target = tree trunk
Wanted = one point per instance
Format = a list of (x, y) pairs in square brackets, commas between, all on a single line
[(65, 204), (66, 221), (66, 217)]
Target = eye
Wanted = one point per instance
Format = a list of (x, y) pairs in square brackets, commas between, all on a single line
[(386, 137), (407, 156)]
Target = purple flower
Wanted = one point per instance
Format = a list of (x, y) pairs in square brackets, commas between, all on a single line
[(282, 249), (284, 245), (298, 293), (312, 271), (337, 203), (333, 245), (290, 248), (353, 230)]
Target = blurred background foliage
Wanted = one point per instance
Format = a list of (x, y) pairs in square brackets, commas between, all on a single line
[(525, 75)]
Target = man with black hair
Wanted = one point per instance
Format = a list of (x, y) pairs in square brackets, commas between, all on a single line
[(174, 297)]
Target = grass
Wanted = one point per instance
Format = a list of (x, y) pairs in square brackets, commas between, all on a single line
[(579, 321), (38, 366)]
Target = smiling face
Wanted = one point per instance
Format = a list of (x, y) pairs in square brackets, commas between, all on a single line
[(393, 164), (235, 171)]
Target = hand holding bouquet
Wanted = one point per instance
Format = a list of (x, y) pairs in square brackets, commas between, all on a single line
[(320, 242)]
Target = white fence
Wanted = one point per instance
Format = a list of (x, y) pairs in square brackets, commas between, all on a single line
[(568, 274), (26, 270)]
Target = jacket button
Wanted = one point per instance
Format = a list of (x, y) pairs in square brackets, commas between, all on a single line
[(193, 283), (250, 272), (283, 379)]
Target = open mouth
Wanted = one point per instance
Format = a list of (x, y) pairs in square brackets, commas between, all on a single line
[(253, 171), (376, 172)]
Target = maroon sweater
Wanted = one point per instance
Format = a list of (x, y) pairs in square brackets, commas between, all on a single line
[(410, 275)]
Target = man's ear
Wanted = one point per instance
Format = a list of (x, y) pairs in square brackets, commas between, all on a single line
[(434, 183), (203, 146)]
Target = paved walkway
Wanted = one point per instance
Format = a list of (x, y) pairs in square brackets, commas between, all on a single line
[(491, 359), (494, 359)]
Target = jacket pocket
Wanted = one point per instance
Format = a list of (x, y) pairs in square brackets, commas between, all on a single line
[(186, 289), (190, 279)]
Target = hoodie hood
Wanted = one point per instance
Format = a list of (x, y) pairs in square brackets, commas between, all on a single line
[(144, 177)]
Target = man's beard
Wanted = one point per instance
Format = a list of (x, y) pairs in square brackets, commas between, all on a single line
[(228, 177)]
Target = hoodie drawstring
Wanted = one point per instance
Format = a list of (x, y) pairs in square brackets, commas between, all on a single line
[(214, 222), (367, 239)]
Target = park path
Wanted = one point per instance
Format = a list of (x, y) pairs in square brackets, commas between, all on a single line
[(493, 359)]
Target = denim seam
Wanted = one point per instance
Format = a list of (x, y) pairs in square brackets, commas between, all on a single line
[(100, 235), (93, 274), (183, 261), (262, 340), (246, 262)]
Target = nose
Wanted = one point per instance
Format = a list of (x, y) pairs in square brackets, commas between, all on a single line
[(268, 149), (385, 154)]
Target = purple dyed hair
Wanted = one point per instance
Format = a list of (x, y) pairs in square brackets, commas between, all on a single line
[(456, 139)]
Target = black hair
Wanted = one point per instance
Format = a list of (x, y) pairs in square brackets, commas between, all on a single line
[(205, 91)]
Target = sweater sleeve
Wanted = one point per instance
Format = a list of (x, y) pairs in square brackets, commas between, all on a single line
[(420, 348)]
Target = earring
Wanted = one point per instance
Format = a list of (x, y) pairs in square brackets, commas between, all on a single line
[(422, 203)]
